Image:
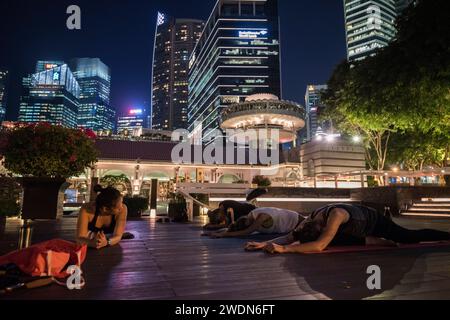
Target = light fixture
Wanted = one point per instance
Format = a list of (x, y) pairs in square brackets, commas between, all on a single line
[(356, 139), (152, 214)]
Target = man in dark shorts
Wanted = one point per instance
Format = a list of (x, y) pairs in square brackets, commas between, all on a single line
[(342, 222), (228, 212)]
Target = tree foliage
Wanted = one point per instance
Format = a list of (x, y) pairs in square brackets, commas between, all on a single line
[(402, 94)]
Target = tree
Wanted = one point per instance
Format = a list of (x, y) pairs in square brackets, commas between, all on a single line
[(405, 87)]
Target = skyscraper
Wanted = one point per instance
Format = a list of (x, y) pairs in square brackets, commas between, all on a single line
[(94, 78), (238, 55), (133, 122), (313, 107), (51, 96), (369, 25), (3, 93), (44, 65), (174, 42)]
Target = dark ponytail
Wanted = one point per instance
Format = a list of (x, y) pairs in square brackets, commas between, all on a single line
[(107, 197)]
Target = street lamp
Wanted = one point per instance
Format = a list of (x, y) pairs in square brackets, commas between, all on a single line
[(356, 139)]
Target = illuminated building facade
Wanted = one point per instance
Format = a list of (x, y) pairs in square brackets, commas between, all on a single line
[(313, 107), (238, 55), (369, 25), (132, 123), (94, 78), (50, 96), (175, 40)]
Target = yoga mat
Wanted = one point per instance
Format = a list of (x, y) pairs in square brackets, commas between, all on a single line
[(350, 249)]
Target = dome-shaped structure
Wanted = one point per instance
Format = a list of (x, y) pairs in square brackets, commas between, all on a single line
[(261, 97), (266, 115)]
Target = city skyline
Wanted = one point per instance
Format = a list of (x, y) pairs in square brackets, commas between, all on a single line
[(322, 41)]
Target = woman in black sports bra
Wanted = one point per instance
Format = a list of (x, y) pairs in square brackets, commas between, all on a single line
[(102, 224)]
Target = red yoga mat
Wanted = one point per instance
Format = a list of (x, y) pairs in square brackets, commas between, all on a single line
[(349, 249)]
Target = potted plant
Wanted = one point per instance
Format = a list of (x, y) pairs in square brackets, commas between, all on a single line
[(177, 208), (44, 156), (261, 181), (136, 205)]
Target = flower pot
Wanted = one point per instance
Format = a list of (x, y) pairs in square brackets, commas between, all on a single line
[(43, 198)]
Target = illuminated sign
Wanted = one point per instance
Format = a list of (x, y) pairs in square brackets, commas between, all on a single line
[(56, 76), (135, 112), (252, 34), (49, 66)]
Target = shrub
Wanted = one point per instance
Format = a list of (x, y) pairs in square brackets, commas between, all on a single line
[(262, 181), (43, 150)]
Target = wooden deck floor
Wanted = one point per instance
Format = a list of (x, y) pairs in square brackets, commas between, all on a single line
[(172, 262)]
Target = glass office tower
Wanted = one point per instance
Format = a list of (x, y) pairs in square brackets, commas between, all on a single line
[(369, 25), (94, 78), (51, 96), (175, 40), (238, 55), (313, 107)]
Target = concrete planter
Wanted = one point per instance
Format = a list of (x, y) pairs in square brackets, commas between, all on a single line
[(43, 198)]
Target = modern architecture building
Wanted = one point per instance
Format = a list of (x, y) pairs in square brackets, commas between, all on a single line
[(313, 107), (95, 111), (264, 118), (44, 65), (3, 93), (369, 25), (175, 40), (238, 55), (50, 96), (133, 122)]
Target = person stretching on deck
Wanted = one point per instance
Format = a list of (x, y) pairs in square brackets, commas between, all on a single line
[(262, 220), (228, 212), (102, 224), (344, 224)]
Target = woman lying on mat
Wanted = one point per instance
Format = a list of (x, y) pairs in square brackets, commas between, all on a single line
[(228, 212), (102, 224), (345, 224), (262, 220)]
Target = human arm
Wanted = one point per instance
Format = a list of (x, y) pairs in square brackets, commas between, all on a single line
[(230, 212), (336, 218), (121, 223), (284, 240), (83, 231), (251, 229)]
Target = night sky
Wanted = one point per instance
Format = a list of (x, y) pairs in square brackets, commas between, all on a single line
[(121, 33)]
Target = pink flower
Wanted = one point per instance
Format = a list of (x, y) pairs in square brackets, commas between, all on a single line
[(91, 134)]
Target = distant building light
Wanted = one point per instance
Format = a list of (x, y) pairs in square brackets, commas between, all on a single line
[(135, 111), (356, 139)]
